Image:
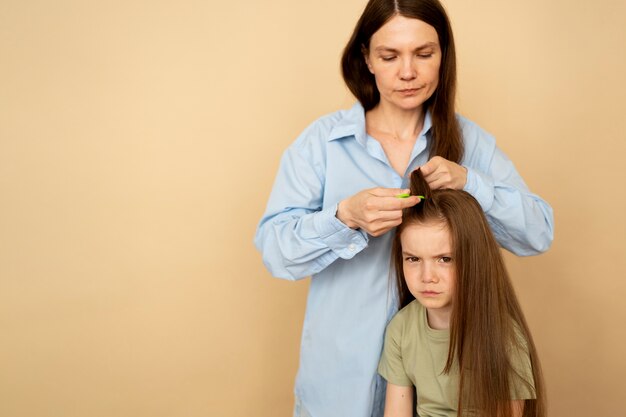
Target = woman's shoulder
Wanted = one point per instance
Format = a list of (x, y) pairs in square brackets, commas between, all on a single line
[(475, 138), (471, 129), (334, 125)]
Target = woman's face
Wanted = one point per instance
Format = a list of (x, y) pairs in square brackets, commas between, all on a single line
[(404, 55)]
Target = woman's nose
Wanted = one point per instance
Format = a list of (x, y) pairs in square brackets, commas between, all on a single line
[(408, 71)]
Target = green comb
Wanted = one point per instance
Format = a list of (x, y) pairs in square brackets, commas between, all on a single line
[(407, 195)]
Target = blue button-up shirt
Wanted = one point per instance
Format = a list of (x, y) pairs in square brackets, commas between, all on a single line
[(351, 297)]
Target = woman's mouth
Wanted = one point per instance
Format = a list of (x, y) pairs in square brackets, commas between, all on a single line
[(409, 91)]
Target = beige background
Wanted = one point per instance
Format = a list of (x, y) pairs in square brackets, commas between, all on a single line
[(138, 144)]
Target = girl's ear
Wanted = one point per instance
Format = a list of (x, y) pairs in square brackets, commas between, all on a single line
[(366, 57)]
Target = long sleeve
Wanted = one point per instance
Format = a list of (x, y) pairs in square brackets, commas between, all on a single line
[(299, 234), (521, 221)]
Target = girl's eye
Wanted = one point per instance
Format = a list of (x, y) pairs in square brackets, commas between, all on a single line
[(412, 259), (387, 58), (425, 55), (445, 259)]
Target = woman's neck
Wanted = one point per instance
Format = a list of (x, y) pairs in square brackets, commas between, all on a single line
[(402, 125)]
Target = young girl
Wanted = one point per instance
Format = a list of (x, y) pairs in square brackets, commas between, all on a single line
[(461, 340)]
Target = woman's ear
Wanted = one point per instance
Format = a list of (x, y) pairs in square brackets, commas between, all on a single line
[(366, 57)]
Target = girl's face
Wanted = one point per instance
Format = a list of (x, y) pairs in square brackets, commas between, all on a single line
[(404, 55), (429, 269)]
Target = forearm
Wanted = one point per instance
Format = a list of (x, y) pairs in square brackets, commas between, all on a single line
[(296, 244), (522, 222)]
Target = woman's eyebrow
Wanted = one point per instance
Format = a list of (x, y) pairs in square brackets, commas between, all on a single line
[(384, 48), (427, 45)]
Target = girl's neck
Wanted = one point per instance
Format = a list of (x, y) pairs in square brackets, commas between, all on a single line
[(438, 319), (403, 125)]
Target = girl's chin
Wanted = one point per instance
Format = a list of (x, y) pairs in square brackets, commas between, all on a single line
[(432, 302)]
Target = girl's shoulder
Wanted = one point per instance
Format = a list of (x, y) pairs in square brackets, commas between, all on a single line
[(408, 314), (519, 342), (522, 378)]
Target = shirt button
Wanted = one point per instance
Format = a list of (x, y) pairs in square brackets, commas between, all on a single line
[(352, 247)]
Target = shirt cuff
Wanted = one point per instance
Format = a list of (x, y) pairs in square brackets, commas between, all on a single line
[(341, 239), (481, 187)]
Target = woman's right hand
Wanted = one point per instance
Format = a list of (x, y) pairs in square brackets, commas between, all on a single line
[(376, 210)]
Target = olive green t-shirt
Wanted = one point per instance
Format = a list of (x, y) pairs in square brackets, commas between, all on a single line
[(415, 354)]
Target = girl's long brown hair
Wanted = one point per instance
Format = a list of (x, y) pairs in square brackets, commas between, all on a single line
[(486, 315), (446, 134)]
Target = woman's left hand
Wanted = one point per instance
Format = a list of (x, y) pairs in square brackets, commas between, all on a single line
[(441, 173)]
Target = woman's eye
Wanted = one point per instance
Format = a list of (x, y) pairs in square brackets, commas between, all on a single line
[(445, 259), (425, 55), (412, 259), (387, 58)]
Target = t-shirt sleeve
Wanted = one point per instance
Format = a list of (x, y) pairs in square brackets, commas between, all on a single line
[(391, 366), (521, 382)]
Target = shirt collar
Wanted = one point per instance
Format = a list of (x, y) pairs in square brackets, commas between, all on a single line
[(353, 124)]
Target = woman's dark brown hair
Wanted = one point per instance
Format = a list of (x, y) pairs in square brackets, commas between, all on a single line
[(486, 316), (445, 129)]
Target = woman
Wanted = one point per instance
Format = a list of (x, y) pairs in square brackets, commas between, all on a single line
[(334, 198)]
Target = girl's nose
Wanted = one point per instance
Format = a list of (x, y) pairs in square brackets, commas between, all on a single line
[(429, 275)]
